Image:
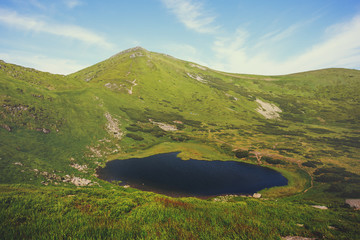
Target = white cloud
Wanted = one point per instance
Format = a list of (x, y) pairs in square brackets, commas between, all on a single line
[(72, 3), (13, 19), (192, 15), (340, 49), (42, 63)]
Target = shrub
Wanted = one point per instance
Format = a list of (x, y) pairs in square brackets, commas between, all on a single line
[(309, 164), (135, 137), (273, 161), (242, 153)]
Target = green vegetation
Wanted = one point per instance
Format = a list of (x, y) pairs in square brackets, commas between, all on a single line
[(56, 130)]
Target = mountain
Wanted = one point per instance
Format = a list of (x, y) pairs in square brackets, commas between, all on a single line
[(56, 130)]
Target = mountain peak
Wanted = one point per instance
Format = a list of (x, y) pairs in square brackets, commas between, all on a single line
[(134, 49)]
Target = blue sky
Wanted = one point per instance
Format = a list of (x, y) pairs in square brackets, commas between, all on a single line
[(243, 36)]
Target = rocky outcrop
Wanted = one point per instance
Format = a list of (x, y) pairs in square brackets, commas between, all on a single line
[(81, 168), (112, 126), (198, 66), (80, 182), (354, 203), (164, 126), (256, 195), (197, 77)]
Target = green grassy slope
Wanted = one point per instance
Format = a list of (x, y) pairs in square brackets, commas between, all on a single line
[(129, 104)]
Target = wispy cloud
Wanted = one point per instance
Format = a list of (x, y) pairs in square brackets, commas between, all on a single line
[(340, 49), (192, 14), (72, 3), (42, 63), (13, 19)]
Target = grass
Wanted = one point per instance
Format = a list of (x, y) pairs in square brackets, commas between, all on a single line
[(51, 122), (55, 212)]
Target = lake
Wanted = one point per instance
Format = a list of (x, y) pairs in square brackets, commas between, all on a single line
[(169, 175)]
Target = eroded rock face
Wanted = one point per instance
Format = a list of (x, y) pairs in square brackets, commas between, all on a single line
[(268, 110)]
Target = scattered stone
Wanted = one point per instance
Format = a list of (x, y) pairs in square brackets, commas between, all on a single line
[(256, 195), (113, 126), (320, 207), (44, 130), (18, 163), (331, 227), (354, 203), (300, 225), (268, 110), (126, 186)]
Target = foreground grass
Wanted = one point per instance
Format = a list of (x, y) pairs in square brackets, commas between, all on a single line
[(117, 213)]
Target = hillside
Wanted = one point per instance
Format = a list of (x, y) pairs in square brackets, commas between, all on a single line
[(56, 130)]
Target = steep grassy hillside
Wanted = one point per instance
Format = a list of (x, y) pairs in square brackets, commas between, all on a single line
[(56, 130)]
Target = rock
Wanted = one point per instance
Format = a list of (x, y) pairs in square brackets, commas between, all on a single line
[(80, 181), (354, 203), (44, 130), (18, 163), (320, 207), (6, 127), (256, 195), (81, 168)]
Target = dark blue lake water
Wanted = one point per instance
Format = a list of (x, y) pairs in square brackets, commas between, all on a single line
[(167, 174)]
